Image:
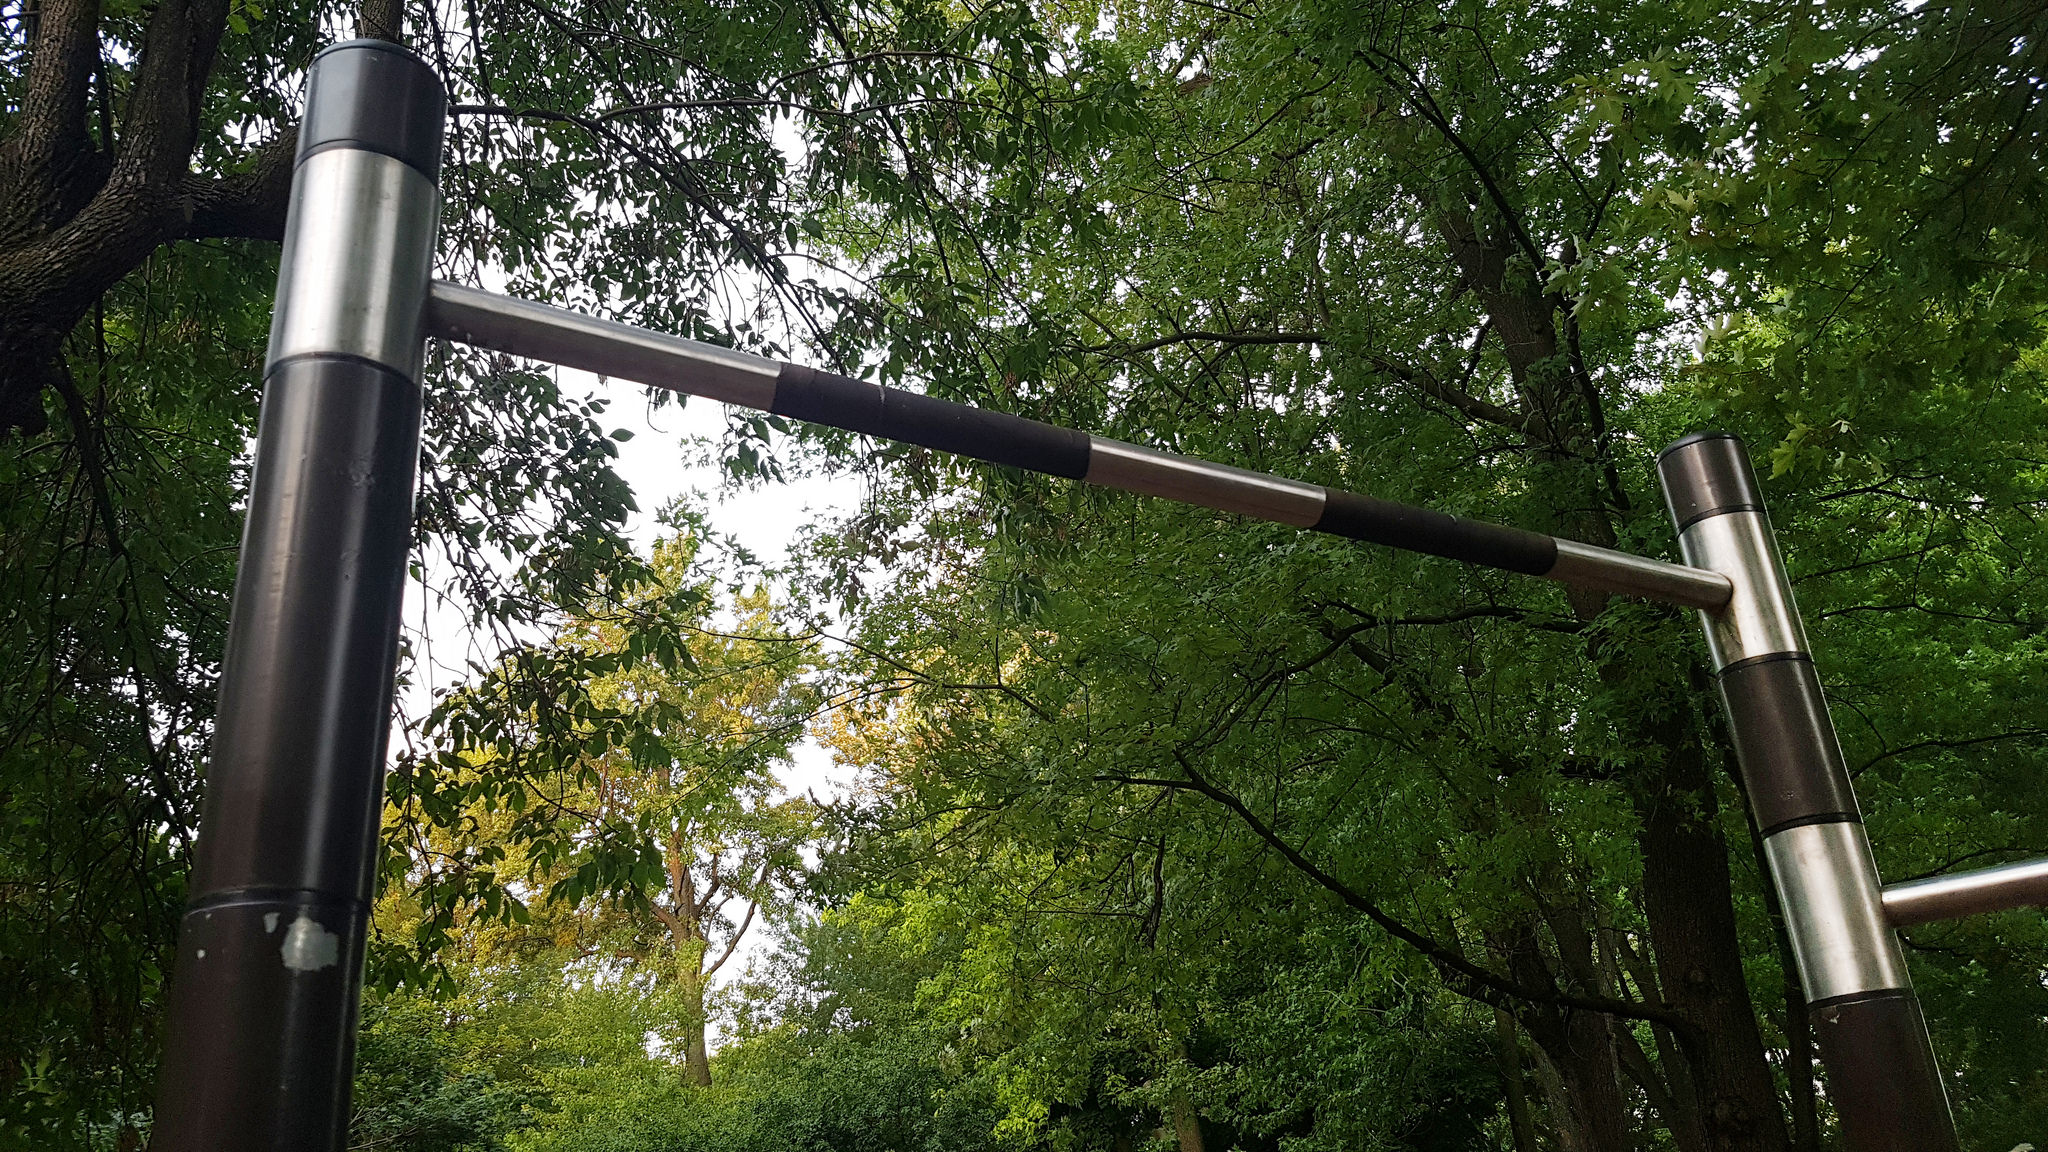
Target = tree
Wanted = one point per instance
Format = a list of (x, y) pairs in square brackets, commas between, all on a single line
[(1451, 254), (624, 774)]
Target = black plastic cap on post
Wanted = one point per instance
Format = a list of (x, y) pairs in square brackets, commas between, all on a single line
[(377, 96), (1705, 474)]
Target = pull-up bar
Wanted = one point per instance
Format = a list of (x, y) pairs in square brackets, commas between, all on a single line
[(539, 332), (261, 1034)]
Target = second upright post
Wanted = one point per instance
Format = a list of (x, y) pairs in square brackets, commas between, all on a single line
[(1882, 1077)]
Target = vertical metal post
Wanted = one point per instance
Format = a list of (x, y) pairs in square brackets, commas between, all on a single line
[(1882, 1077), (261, 1035)]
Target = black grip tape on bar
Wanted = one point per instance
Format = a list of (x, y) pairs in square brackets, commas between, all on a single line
[(893, 414), (1437, 533)]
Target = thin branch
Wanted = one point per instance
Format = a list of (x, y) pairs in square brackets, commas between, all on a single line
[(1467, 978), (1230, 338), (732, 944), (1924, 745)]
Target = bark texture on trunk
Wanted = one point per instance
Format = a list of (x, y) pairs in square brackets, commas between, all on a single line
[(1508, 1049), (78, 213), (1723, 1097), (1187, 1126), (690, 914), (696, 1054), (1687, 896)]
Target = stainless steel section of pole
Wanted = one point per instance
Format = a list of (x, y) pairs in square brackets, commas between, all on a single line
[(261, 1031), (539, 332), (1758, 618), (1999, 889), (369, 230), (1882, 1077), (1827, 884), (573, 340), (1129, 468)]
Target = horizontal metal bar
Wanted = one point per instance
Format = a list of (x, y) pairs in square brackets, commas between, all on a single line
[(1949, 897), (539, 332), (1130, 468), (573, 340), (1631, 575)]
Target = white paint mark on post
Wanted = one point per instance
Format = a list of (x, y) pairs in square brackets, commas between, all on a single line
[(269, 923), (308, 947)]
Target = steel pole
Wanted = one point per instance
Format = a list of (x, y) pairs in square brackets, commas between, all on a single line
[(1959, 894), (1882, 1078), (261, 1035)]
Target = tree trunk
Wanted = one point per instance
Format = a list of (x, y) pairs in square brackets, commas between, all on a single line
[(1688, 899), (1187, 1126), (1509, 1051), (696, 1054), (1580, 1069)]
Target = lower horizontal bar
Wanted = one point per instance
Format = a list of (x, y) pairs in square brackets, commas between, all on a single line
[(1999, 889), (536, 331)]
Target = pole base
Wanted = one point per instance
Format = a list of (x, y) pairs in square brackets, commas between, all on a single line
[(263, 1014)]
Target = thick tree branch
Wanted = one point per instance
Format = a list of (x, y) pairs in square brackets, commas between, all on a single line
[(248, 205), (1468, 405), (161, 123), (48, 163), (1231, 338), (1419, 97)]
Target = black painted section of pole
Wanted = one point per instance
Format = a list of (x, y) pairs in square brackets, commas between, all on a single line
[(377, 97), (1882, 1076), (263, 1004), (1785, 744), (1881, 1072), (1707, 474)]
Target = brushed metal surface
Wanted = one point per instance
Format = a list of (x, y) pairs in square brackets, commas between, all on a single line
[(1115, 464), (1834, 913), (357, 252), (573, 340), (1629, 575), (1760, 617), (1997, 889)]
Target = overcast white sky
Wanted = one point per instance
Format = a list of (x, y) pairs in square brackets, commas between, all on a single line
[(660, 462)]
